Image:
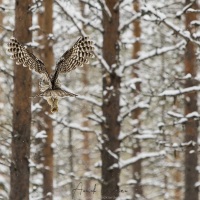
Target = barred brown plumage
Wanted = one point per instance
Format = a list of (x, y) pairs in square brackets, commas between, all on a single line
[(50, 87)]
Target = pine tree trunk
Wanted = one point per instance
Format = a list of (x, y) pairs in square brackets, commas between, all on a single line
[(48, 58), (191, 127), (1, 56), (137, 167), (71, 161), (110, 108), (21, 110), (86, 144), (86, 140)]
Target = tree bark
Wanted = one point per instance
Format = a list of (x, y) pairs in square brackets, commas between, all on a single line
[(2, 57), (21, 110), (110, 108), (137, 167), (191, 127), (46, 24), (71, 161), (86, 140)]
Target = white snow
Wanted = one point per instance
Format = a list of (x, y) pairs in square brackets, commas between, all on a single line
[(34, 28), (41, 134), (193, 115), (150, 54), (141, 156), (175, 114), (179, 91)]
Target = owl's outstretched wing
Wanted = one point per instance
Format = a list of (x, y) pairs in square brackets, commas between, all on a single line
[(76, 56), (23, 56)]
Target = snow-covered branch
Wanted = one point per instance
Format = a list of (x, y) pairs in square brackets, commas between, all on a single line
[(183, 119), (150, 54), (92, 176), (178, 14), (116, 6), (123, 136), (191, 10), (97, 117), (179, 91), (75, 126), (7, 28), (143, 105), (90, 100), (125, 163), (88, 23), (126, 23), (71, 17), (4, 71), (161, 16), (105, 8), (103, 62)]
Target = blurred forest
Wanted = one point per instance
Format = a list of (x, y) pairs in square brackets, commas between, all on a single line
[(132, 131)]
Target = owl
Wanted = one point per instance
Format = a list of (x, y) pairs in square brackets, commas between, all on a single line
[(49, 85)]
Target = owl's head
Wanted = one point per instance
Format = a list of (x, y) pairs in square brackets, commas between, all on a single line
[(53, 102)]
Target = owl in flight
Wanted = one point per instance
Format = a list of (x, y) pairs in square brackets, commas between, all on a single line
[(49, 85)]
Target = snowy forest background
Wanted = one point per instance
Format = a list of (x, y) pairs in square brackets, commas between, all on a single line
[(132, 132)]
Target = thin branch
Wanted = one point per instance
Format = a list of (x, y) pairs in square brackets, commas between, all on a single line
[(6, 73), (72, 18), (179, 91), (7, 28), (116, 6), (88, 23), (125, 163), (184, 34), (103, 62), (91, 176), (123, 26), (153, 53), (74, 126), (140, 105), (178, 14), (105, 9), (90, 100)]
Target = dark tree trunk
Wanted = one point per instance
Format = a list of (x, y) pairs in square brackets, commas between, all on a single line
[(21, 110), (137, 167), (47, 55), (111, 94), (191, 127)]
